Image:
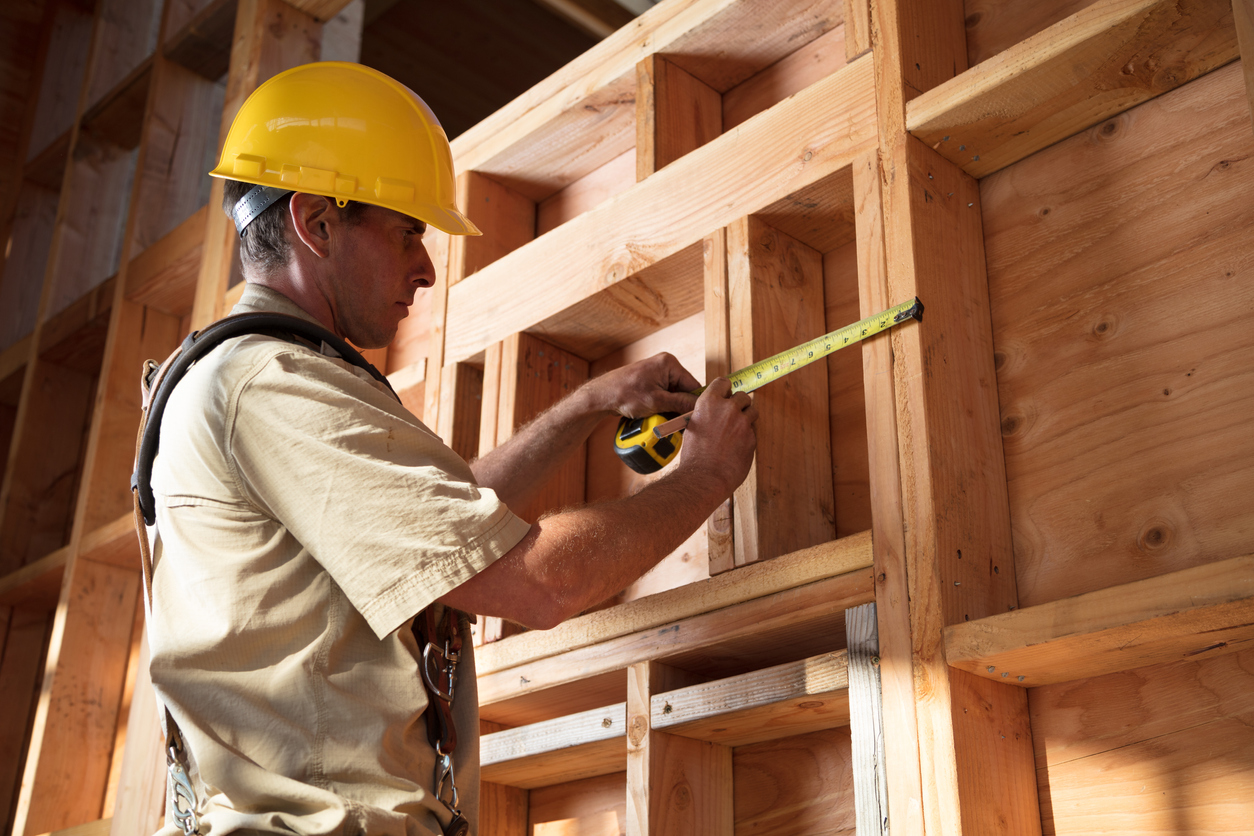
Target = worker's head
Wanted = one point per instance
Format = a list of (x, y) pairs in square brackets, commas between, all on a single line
[(357, 148)]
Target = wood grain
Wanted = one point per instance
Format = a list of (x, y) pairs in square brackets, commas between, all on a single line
[(553, 751), (997, 25), (798, 786), (850, 554), (791, 74), (675, 113), (1091, 66), (775, 286), (719, 643), (1120, 295), (1205, 609), (846, 396), (607, 245), (1243, 19), (780, 701), (1159, 749), (591, 807)]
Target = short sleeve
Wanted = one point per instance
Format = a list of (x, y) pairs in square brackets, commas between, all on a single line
[(385, 507)]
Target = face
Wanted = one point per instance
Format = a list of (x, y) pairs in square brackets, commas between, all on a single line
[(378, 268)]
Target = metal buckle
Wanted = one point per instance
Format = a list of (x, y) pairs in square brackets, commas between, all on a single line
[(433, 679)]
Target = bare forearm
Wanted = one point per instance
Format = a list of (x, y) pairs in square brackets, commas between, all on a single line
[(575, 559), (533, 454)]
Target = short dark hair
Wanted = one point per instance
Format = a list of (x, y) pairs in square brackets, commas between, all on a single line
[(265, 246)]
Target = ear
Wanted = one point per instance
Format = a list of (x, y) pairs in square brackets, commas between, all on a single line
[(311, 216)]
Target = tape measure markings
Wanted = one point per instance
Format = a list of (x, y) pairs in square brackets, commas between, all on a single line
[(759, 374)]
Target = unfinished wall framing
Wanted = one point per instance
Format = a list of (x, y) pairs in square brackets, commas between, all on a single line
[(1043, 487)]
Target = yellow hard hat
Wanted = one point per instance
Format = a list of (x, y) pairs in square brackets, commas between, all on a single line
[(348, 132)]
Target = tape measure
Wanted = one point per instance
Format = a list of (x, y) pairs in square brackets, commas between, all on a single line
[(646, 445)]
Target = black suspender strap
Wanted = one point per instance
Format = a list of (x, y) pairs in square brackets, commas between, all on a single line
[(160, 381)]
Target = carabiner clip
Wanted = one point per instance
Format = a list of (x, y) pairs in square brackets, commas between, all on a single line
[(444, 774)]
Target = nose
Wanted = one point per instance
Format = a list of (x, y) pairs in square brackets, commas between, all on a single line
[(423, 273)]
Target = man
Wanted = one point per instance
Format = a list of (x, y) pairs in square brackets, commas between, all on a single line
[(304, 517)]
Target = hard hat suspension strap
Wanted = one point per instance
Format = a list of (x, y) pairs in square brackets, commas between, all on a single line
[(257, 200)]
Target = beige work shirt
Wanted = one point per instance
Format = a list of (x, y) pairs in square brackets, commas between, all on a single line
[(303, 518)]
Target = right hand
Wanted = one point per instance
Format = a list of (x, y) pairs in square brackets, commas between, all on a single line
[(720, 440)]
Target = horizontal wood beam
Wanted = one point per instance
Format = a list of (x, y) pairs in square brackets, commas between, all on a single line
[(799, 622), (595, 93), (1097, 63), (1199, 612), (581, 745), (808, 137), (780, 701), (114, 543), (37, 584), (828, 560)]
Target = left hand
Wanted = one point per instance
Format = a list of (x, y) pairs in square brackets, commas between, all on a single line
[(647, 387)]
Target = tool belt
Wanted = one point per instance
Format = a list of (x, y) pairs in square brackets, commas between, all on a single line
[(439, 638)]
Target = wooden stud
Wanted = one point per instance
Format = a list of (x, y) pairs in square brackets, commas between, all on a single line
[(674, 785), (67, 766), (775, 287), (461, 392), (534, 376), (21, 666), (719, 528), (870, 777), (585, 258), (892, 600), (675, 113), (141, 787), (857, 28), (270, 36)]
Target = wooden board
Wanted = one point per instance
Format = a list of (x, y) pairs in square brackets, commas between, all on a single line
[(163, 275), (1120, 296), (828, 560), (582, 117), (1203, 610), (1162, 748), (780, 701), (564, 749), (68, 763), (182, 135), (534, 376), (125, 35), (588, 191), (608, 478), (747, 635), (62, 80), (591, 807), (675, 113), (139, 334), (21, 668), (1243, 19), (775, 284), (846, 396), (43, 477), (996, 25), (24, 267), (604, 247), (791, 74), (798, 786), (1086, 68)]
